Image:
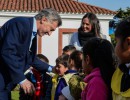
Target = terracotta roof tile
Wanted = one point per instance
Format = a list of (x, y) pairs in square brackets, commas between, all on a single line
[(62, 6)]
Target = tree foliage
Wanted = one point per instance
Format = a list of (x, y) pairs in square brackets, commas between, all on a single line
[(113, 39), (123, 13)]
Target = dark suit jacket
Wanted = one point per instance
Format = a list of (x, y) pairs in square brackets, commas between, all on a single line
[(15, 57)]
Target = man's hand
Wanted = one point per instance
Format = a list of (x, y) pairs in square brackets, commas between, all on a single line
[(28, 87)]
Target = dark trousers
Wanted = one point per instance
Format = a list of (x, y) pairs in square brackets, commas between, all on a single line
[(5, 90)]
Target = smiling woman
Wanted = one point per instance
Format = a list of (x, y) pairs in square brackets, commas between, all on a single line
[(89, 28)]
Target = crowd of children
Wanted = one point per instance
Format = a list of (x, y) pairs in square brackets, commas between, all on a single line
[(90, 74)]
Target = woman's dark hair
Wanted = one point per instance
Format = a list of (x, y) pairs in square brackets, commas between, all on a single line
[(94, 22), (101, 53), (76, 56), (63, 59), (123, 29)]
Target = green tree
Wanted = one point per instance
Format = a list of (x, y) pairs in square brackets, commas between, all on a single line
[(120, 13), (123, 13)]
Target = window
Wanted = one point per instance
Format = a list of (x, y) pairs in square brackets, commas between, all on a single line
[(64, 38)]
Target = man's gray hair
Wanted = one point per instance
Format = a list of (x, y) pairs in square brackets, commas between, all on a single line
[(50, 14)]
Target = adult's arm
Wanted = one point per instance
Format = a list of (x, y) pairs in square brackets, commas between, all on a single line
[(72, 40), (41, 66)]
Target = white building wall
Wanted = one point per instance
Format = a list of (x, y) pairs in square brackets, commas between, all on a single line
[(3, 20), (71, 23), (50, 46), (105, 29)]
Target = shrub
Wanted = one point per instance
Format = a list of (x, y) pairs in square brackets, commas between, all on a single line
[(113, 39)]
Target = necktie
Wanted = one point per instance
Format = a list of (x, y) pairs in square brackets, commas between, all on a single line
[(34, 45), (32, 39)]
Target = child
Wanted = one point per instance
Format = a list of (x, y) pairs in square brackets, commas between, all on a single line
[(76, 83), (76, 86), (46, 81), (61, 64), (68, 49), (42, 83), (74, 64), (61, 67), (121, 78), (99, 63)]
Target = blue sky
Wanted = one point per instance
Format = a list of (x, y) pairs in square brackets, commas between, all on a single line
[(109, 4)]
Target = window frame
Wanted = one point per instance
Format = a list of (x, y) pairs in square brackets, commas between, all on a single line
[(60, 37)]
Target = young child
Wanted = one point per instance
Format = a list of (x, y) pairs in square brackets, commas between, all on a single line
[(121, 78), (99, 63), (74, 64), (75, 82), (76, 86), (60, 68), (68, 49), (46, 82), (75, 60), (42, 83)]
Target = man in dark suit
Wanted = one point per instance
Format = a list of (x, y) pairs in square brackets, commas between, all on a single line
[(18, 49)]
